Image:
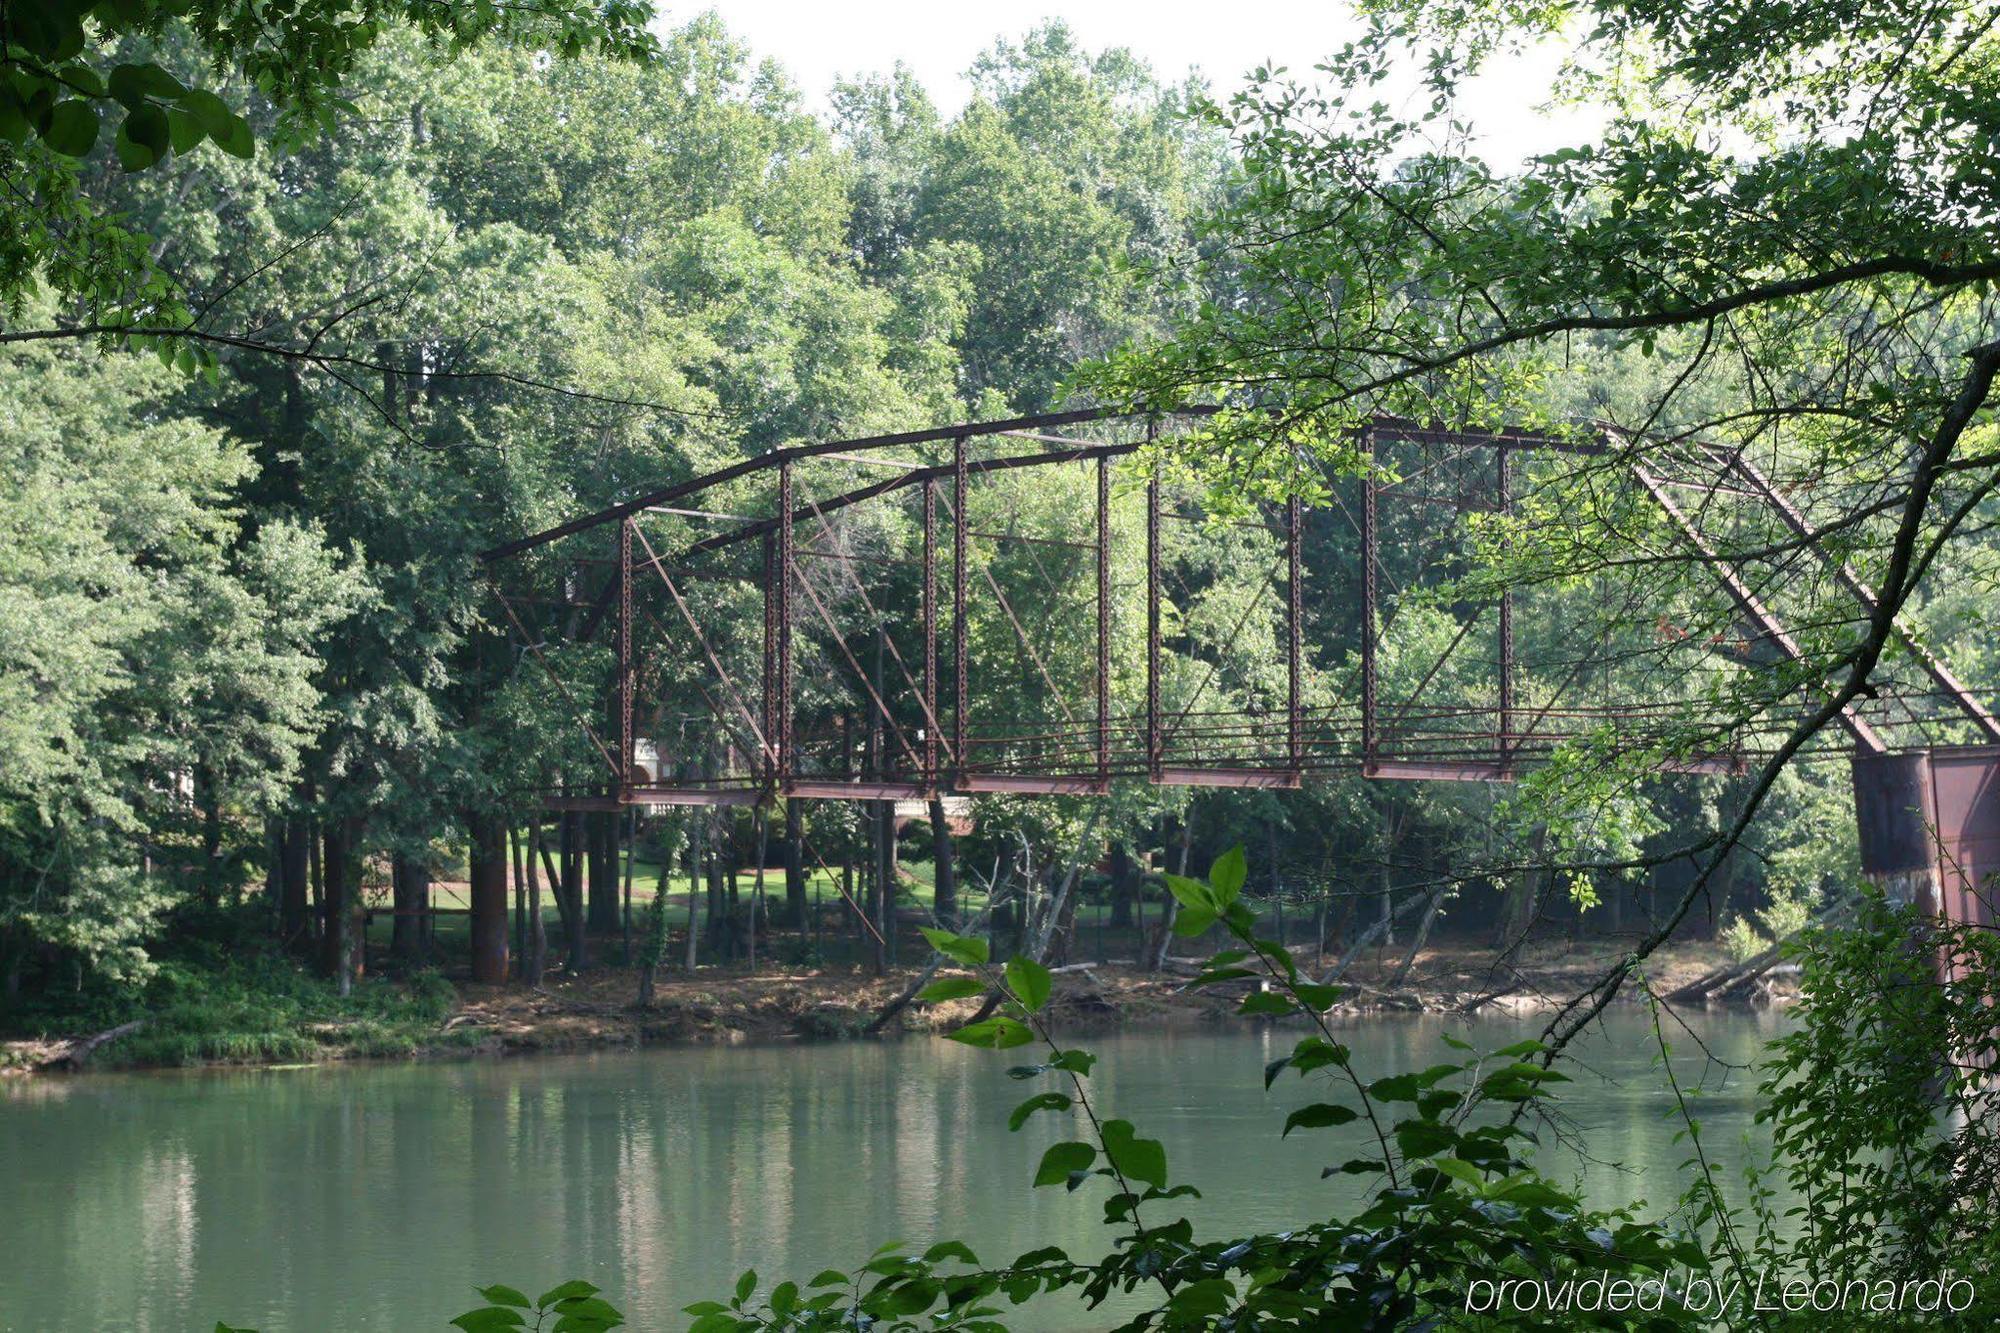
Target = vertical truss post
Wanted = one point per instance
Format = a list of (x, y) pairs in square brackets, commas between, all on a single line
[(960, 555), (1103, 619), (1295, 749), (625, 660), (930, 636), (770, 697), (784, 623), (1368, 591), (1504, 503), (1155, 759)]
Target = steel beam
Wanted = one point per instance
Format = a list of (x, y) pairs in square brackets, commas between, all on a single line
[(1294, 641), (1026, 785), (783, 760), (1368, 598), (781, 457), (961, 707), (1154, 755), (1103, 618), (931, 737), (1505, 504), (1864, 735), (856, 791), (1259, 778), (625, 739)]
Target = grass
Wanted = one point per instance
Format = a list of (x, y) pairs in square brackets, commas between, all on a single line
[(222, 992)]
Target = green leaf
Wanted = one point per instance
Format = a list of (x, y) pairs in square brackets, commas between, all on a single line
[(1460, 1169), (1316, 1053), (1273, 1069), (785, 1297), (1192, 894), (952, 988), (950, 1249), (1194, 921), (1226, 876), (500, 1295), (133, 84), (72, 128), (210, 111), (828, 1277), (1265, 1002), (1396, 1088), (1355, 1166), (573, 1287), (998, 1033), (746, 1283), (1061, 1160), (236, 139), (184, 132), (1320, 1115), (967, 949), (1041, 1101), (1423, 1138), (1317, 997), (1030, 982), (1136, 1158), (143, 139), (487, 1319), (1075, 1062)]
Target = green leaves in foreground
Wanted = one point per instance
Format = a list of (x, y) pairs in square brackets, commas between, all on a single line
[(970, 950), (573, 1307)]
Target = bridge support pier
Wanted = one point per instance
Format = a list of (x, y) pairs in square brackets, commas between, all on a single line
[(1895, 822)]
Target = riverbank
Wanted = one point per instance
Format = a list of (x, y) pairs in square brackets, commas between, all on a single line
[(272, 1013)]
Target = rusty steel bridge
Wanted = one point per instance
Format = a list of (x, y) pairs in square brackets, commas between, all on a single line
[(898, 617)]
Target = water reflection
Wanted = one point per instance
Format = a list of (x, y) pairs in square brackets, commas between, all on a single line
[(376, 1197)]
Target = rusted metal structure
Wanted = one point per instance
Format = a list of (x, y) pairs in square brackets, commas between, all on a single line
[(884, 658)]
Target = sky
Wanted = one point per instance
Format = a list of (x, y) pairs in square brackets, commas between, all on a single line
[(819, 43)]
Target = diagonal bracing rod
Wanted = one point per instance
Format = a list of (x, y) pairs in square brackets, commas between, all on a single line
[(1933, 666), (1863, 734), (728, 681)]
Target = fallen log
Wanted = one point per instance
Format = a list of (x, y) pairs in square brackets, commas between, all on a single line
[(1720, 981), (78, 1052)]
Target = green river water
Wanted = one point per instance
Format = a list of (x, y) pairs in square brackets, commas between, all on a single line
[(375, 1197)]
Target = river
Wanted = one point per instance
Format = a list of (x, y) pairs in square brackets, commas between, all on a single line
[(376, 1196)]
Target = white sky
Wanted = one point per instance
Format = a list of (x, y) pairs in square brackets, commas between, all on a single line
[(819, 42)]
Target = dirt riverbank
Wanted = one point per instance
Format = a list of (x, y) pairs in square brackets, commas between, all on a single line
[(722, 1005)]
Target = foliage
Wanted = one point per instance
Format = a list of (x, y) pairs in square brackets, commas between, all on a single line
[(156, 653), (71, 68), (572, 1307), (223, 993), (1882, 1102), (1454, 1198)]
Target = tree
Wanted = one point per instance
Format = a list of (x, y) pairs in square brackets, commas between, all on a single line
[(156, 658), (1753, 226), (68, 69)]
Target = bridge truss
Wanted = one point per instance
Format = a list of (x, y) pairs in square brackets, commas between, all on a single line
[(905, 615)]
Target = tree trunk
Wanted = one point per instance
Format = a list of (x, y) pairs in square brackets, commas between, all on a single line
[(295, 891), (1171, 908), (340, 939), (571, 892), (795, 866), (486, 873), (408, 879), (602, 829), (944, 896), (1121, 887), (538, 936), (697, 854), (757, 888), (631, 855)]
